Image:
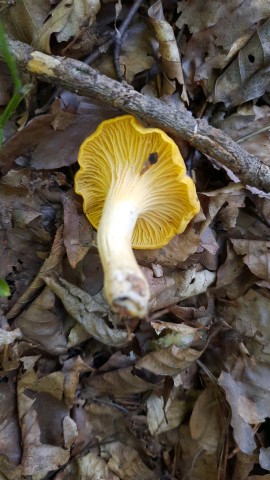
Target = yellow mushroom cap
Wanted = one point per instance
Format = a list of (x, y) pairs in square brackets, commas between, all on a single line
[(122, 149)]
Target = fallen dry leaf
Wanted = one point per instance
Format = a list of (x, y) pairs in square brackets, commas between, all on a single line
[(23, 19), (194, 462), (256, 255), (172, 68), (126, 463), (161, 416), (168, 361), (246, 77), (42, 323), (66, 20), (39, 141), (118, 383), (41, 451), (205, 421), (77, 234), (94, 467), (85, 310)]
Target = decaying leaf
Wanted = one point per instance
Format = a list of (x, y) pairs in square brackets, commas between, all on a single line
[(118, 383), (126, 463), (138, 56), (168, 361), (72, 369), (248, 314), (247, 77), (52, 263), (172, 68), (42, 323), (180, 335), (85, 310), (250, 127), (94, 467), (24, 19), (40, 404), (78, 234), (161, 416), (10, 438), (66, 20), (52, 140), (256, 255), (205, 421), (196, 463), (247, 391), (217, 35)]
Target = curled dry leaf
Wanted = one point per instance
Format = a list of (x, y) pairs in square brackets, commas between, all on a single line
[(85, 310), (66, 20), (42, 323), (187, 284), (72, 369), (168, 361), (77, 234), (52, 263), (172, 68), (180, 335)]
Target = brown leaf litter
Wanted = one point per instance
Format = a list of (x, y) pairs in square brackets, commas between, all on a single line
[(183, 393)]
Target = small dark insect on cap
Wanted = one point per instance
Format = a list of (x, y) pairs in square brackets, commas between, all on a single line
[(153, 158)]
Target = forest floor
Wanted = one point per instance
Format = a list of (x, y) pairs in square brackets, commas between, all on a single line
[(185, 392)]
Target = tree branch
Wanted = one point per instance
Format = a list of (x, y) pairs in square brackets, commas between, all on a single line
[(84, 80)]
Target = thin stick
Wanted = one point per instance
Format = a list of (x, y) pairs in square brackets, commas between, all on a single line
[(84, 80)]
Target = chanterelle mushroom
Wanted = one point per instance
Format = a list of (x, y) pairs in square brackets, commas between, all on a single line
[(136, 193)]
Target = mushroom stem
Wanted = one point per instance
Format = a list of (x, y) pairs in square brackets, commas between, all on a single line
[(125, 286)]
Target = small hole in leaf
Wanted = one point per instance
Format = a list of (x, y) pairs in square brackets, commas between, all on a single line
[(251, 58)]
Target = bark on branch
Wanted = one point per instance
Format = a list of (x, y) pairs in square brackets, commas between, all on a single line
[(84, 80)]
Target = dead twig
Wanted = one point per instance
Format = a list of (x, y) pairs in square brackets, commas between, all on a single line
[(116, 39), (84, 80)]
